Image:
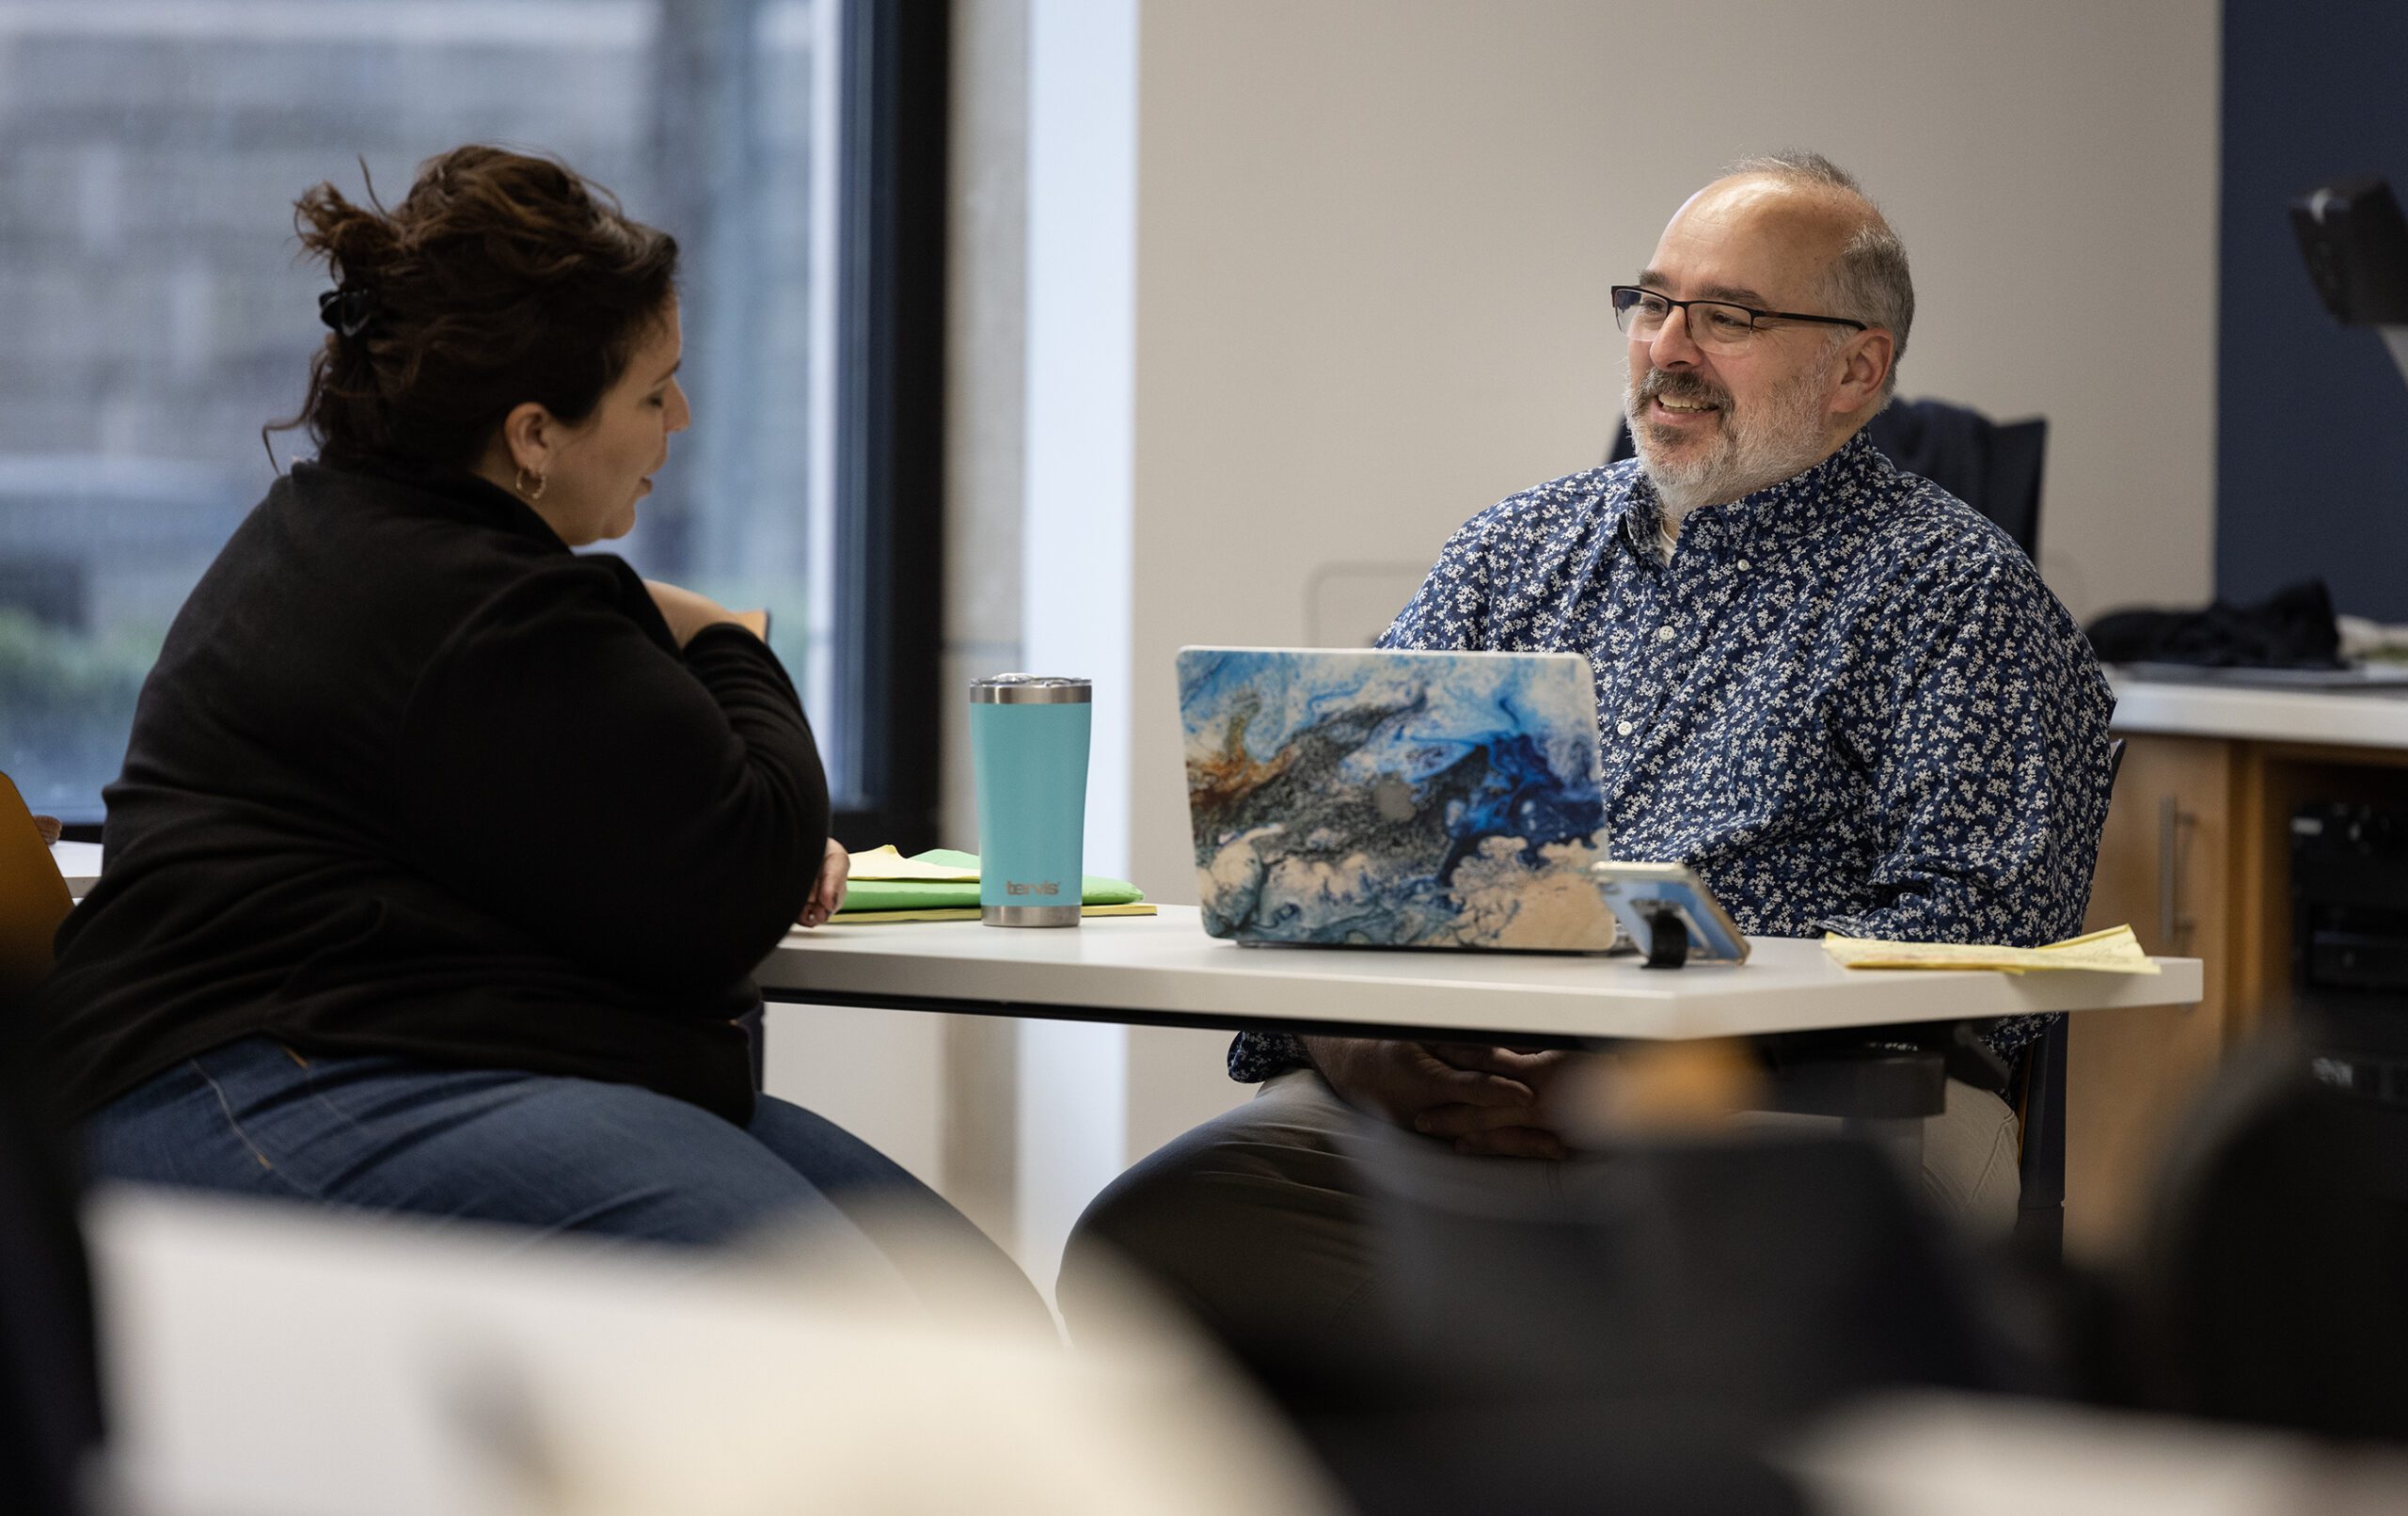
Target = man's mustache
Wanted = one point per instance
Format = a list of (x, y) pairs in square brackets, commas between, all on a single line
[(1672, 384)]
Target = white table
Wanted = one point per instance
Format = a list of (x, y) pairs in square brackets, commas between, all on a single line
[(1165, 970), (79, 862), (2362, 718)]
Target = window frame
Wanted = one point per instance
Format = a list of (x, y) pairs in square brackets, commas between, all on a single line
[(890, 417), (893, 156)]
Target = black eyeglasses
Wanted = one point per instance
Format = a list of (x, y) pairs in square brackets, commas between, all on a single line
[(1718, 323)]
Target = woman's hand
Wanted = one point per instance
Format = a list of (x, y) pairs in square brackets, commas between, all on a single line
[(687, 612), (828, 892)]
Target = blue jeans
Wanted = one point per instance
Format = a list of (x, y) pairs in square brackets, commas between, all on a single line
[(556, 1154)]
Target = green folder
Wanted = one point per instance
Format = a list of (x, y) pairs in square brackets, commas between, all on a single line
[(923, 894)]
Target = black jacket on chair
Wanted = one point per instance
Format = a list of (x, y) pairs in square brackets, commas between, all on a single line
[(1994, 467)]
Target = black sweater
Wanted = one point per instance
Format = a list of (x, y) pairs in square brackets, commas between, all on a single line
[(412, 778)]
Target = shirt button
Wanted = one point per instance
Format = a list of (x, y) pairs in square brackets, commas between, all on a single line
[(1623, 729), (1744, 565), (1663, 634)]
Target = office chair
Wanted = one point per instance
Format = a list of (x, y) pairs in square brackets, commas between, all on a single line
[(2040, 1118), (50, 1410), (33, 896), (2040, 1110), (1994, 467)]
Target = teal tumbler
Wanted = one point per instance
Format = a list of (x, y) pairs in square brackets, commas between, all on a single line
[(1028, 747)]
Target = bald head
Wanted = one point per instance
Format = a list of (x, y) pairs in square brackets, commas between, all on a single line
[(1863, 264), (1804, 228)]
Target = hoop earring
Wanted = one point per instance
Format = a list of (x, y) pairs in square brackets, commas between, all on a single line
[(532, 494)]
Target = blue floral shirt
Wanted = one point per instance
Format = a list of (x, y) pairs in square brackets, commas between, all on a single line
[(1846, 701)]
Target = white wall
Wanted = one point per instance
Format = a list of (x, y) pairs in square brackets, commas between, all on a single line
[(1371, 245), (878, 1074)]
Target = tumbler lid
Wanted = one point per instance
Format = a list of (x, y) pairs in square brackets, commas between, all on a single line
[(1031, 690)]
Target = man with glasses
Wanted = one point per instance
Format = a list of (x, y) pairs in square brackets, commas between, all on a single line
[(1834, 689)]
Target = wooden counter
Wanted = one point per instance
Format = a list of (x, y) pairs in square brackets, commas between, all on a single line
[(2197, 858)]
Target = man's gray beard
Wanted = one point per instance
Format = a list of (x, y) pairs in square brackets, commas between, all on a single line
[(1784, 437)]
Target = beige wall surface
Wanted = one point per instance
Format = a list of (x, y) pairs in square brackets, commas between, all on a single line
[(1374, 238)]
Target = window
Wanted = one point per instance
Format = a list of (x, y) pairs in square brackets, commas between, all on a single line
[(159, 315)]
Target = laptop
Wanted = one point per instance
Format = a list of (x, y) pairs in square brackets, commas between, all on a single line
[(1353, 797)]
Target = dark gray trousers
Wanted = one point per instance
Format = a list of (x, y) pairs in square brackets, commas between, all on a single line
[(1260, 1221)]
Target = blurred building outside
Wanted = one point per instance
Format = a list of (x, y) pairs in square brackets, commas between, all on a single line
[(159, 313)]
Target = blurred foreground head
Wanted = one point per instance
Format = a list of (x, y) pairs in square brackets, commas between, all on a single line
[(2273, 1283)]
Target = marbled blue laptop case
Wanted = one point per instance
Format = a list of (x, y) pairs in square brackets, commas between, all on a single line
[(1400, 799)]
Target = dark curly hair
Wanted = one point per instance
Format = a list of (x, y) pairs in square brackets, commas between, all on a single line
[(502, 277)]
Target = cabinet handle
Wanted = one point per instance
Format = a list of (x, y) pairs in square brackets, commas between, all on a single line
[(2173, 927)]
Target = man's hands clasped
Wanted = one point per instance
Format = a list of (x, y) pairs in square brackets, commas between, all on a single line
[(1485, 1100)]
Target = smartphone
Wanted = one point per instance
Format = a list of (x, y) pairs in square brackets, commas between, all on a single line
[(1669, 913)]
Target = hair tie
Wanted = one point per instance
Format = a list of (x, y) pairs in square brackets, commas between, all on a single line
[(349, 310)]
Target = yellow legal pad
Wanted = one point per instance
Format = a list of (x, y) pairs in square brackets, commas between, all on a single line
[(888, 863), (2113, 951)]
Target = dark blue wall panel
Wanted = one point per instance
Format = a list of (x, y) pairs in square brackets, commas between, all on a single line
[(2312, 420)]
